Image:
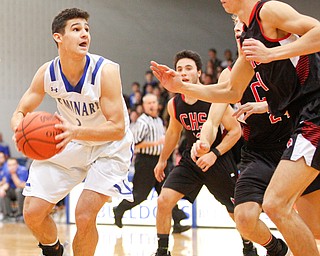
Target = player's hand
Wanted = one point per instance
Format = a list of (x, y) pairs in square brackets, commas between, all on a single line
[(159, 171), (199, 148), (206, 161), (256, 51), (68, 133), (250, 108), (168, 78)]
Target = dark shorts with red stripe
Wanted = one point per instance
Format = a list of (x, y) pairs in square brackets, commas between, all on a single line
[(256, 169), (187, 178)]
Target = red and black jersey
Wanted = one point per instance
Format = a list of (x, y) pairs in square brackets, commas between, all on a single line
[(264, 131), (289, 84), (192, 118)]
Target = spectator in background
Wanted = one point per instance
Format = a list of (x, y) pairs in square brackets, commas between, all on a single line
[(227, 59), (149, 80), (4, 147), (207, 78), (135, 96), (212, 53), (3, 185), (16, 176)]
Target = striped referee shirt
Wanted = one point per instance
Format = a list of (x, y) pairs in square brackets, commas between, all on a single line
[(148, 129)]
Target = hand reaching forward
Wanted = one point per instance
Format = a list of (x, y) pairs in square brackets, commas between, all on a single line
[(168, 78)]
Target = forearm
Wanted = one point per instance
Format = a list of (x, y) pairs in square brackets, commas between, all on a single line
[(219, 93), (208, 133), (307, 44), (108, 132), (171, 141), (228, 141)]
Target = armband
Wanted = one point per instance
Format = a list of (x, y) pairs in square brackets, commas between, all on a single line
[(216, 152), (21, 113)]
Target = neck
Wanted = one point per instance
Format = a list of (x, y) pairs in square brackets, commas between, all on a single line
[(246, 10), (72, 68)]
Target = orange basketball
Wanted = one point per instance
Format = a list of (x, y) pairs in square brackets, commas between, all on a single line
[(35, 135)]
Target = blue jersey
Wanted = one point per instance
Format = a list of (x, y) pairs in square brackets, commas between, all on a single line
[(80, 104)]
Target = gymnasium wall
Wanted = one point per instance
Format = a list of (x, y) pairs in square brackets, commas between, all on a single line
[(130, 32)]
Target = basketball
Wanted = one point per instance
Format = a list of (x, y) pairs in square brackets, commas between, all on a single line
[(35, 135)]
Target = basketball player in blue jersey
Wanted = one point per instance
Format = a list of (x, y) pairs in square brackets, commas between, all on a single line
[(96, 141), (280, 47), (217, 169)]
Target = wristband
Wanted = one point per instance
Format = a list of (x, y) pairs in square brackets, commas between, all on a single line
[(21, 113), (216, 152)]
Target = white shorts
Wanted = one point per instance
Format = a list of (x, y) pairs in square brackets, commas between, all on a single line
[(103, 168)]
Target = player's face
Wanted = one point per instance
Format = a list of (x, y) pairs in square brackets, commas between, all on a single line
[(230, 6), (76, 38), (238, 28), (188, 71)]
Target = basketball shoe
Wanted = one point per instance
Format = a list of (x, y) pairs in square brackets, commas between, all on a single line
[(159, 253), (282, 249), (65, 246)]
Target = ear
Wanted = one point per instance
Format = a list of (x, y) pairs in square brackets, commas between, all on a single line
[(199, 73), (57, 37)]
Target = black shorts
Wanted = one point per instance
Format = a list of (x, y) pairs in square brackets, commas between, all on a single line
[(256, 169), (187, 178), (305, 140)]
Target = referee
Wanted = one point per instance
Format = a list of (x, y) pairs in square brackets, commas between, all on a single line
[(148, 134)]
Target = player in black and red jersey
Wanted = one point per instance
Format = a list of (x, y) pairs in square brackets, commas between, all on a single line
[(280, 47), (217, 169)]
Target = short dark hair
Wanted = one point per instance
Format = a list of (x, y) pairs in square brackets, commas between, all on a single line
[(189, 55), (59, 22)]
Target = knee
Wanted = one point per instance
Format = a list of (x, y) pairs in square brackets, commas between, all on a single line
[(84, 219), (33, 216), (246, 222), (275, 208), (163, 205)]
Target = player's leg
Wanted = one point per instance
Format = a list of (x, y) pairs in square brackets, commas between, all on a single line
[(38, 219), (308, 207), (182, 181), (88, 206), (220, 180), (256, 170), (287, 184), (168, 198)]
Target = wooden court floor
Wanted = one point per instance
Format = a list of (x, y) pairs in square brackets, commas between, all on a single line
[(16, 240)]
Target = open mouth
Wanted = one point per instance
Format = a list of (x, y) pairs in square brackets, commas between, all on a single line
[(84, 44)]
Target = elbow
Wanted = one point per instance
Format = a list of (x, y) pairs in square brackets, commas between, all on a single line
[(119, 132)]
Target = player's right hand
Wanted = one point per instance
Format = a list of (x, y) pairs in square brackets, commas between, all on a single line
[(159, 171)]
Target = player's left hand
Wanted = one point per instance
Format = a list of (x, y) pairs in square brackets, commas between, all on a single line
[(206, 161), (250, 108), (256, 51)]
